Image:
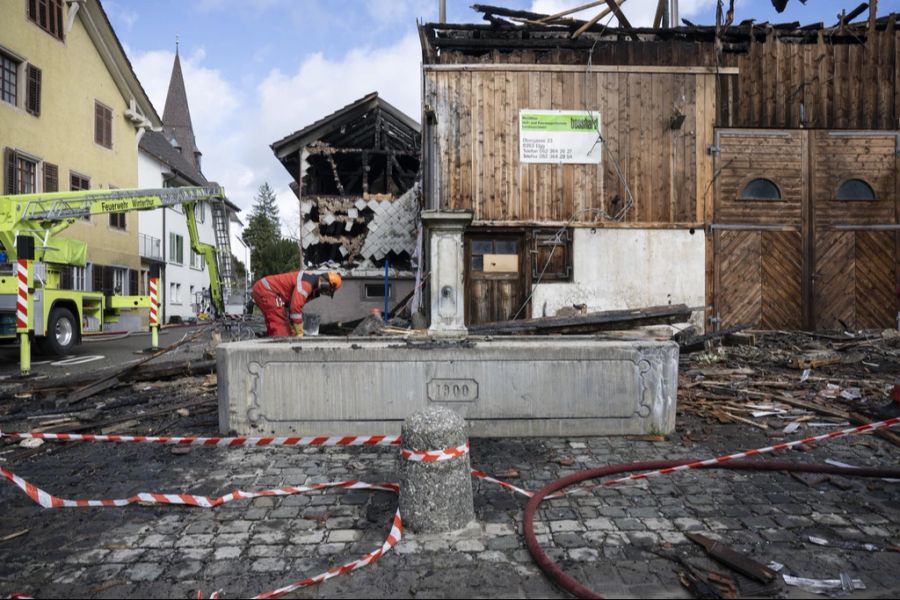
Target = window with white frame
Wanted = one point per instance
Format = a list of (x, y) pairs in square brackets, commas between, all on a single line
[(197, 261), (176, 249), (175, 293)]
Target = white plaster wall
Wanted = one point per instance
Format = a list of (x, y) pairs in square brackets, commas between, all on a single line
[(630, 268), (151, 175)]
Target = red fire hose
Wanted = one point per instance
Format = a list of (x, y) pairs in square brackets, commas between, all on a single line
[(571, 585)]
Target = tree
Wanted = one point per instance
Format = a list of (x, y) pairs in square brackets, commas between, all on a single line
[(269, 252), (240, 271)]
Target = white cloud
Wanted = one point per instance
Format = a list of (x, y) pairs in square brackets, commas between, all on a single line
[(234, 130), (121, 15), (639, 13), (212, 99), (319, 86)]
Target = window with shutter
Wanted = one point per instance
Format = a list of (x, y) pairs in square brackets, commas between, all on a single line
[(551, 256), (51, 178), (33, 91), (48, 15), (102, 125), (10, 168)]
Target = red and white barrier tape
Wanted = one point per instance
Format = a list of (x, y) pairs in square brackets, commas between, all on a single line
[(785, 446), (49, 501), (369, 440), (434, 455), (391, 541)]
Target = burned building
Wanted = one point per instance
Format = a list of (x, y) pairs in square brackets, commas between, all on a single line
[(748, 169), (355, 174)]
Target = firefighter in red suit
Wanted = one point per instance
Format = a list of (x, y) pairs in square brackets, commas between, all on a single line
[(274, 293)]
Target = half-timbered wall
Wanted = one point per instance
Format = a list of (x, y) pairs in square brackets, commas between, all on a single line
[(475, 142)]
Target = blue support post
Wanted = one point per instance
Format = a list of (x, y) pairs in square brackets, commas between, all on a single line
[(387, 288)]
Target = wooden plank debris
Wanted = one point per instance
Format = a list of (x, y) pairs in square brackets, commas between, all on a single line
[(589, 323), (739, 562), (113, 379)]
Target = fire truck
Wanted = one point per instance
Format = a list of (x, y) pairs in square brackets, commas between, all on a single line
[(59, 316)]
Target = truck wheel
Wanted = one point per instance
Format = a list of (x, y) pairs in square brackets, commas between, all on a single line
[(62, 332)]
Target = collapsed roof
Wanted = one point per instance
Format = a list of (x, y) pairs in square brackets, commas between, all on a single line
[(509, 30), (359, 200)]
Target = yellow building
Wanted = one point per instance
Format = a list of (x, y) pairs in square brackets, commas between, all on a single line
[(71, 114)]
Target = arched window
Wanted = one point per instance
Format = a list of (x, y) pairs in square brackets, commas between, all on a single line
[(855, 189), (761, 189)]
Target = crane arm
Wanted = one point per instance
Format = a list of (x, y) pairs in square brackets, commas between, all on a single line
[(47, 214)]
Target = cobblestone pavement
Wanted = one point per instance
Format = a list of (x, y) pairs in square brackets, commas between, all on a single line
[(603, 538)]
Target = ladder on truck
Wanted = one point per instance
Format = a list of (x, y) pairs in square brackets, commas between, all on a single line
[(223, 248), (56, 209)]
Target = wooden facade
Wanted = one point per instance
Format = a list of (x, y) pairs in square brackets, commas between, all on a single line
[(686, 129), (476, 135)]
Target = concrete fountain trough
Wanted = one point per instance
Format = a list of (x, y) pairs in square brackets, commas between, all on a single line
[(563, 386)]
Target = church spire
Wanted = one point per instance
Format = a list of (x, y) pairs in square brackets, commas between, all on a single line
[(177, 115)]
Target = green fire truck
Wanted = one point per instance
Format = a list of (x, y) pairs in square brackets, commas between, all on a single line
[(60, 316)]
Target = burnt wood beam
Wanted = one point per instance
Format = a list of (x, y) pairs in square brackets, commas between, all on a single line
[(337, 177), (400, 168), (660, 13), (379, 125), (388, 172), (623, 22), (365, 172), (594, 21), (361, 139), (507, 12), (333, 151)]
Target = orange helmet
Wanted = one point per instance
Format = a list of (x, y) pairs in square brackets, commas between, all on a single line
[(334, 283)]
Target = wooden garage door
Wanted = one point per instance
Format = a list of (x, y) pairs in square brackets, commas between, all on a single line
[(757, 229), (805, 229), (854, 222), (760, 278)]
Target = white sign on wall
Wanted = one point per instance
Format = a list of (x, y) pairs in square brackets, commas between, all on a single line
[(559, 136)]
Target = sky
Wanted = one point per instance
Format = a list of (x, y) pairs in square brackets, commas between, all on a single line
[(258, 70)]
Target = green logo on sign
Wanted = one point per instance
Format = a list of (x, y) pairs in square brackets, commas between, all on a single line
[(572, 123)]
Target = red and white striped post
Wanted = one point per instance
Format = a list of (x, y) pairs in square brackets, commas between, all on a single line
[(24, 256), (154, 313)]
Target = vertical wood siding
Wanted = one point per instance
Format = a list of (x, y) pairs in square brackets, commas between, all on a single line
[(477, 144)]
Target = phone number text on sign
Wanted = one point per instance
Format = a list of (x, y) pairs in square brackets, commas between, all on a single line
[(559, 136)]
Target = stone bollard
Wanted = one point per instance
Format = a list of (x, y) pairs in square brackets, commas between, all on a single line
[(435, 496)]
